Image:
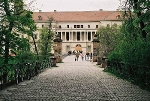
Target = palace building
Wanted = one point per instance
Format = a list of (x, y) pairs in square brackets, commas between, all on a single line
[(76, 28)]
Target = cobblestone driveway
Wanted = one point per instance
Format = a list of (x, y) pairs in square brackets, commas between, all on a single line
[(74, 81)]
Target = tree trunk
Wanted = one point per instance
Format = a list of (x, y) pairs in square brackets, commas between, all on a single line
[(35, 47), (142, 25), (8, 32)]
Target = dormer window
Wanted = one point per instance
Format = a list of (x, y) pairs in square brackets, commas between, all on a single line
[(39, 17), (118, 17), (60, 26)]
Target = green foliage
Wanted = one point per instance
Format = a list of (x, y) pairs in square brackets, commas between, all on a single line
[(108, 37), (141, 12), (45, 42), (15, 21), (130, 57), (25, 56), (1, 61), (131, 46)]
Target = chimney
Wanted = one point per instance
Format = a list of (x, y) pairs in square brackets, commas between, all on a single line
[(40, 11), (100, 9), (117, 9)]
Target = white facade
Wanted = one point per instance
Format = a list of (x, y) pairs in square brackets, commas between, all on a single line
[(73, 33)]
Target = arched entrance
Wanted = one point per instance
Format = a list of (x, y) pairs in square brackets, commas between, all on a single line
[(78, 47)]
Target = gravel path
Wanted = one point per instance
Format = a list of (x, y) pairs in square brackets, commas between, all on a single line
[(74, 81)]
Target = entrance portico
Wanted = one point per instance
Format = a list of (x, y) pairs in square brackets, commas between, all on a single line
[(77, 36), (78, 47), (77, 40)]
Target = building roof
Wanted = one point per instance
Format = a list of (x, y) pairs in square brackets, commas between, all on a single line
[(77, 16)]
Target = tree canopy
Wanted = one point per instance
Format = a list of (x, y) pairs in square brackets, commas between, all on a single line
[(108, 38), (46, 39), (130, 57), (15, 20)]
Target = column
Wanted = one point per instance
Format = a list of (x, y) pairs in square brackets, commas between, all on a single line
[(87, 36), (65, 36), (72, 35), (91, 35), (84, 36), (69, 36), (76, 35), (61, 35), (81, 36)]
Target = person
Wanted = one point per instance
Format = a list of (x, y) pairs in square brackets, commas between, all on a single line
[(68, 53), (74, 52), (87, 54), (77, 56), (91, 55), (82, 56)]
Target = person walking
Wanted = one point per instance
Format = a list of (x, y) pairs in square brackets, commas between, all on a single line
[(87, 54), (91, 55), (77, 56), (82, 56)]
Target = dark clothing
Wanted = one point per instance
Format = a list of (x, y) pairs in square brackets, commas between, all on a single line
[(91, 55)]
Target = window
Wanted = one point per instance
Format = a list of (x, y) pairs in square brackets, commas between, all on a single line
[(67, 26), (89, 48), (108, 25), (88, 26), (60, 35), (78, 26), (67, 36), (75, 26), (68, 48), (118, 17), (89, 36), (96, 26), (78, 36), (59, 26), (42, 26), (39, 17)]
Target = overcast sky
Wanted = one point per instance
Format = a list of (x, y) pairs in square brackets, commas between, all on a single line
[(74, 5)]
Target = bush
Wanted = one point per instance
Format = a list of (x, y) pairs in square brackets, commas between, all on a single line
[(23, 57)]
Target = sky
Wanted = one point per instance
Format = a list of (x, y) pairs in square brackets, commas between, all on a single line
[(73, 5)]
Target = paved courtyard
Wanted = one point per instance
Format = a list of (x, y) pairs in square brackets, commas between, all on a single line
[(74, 81)]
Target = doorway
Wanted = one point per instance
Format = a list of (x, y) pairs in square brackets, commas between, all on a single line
[(78, 47)]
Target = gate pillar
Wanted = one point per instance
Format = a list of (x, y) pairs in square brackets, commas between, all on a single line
[(95, 47), (58, 48)]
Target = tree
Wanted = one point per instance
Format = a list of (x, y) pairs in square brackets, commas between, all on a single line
[(139, 8), (108, 38), (131, 54), (46, 39), (15, 21), (135, 28)]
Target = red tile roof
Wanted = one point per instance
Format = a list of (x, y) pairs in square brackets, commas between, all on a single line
[(77, 16)]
